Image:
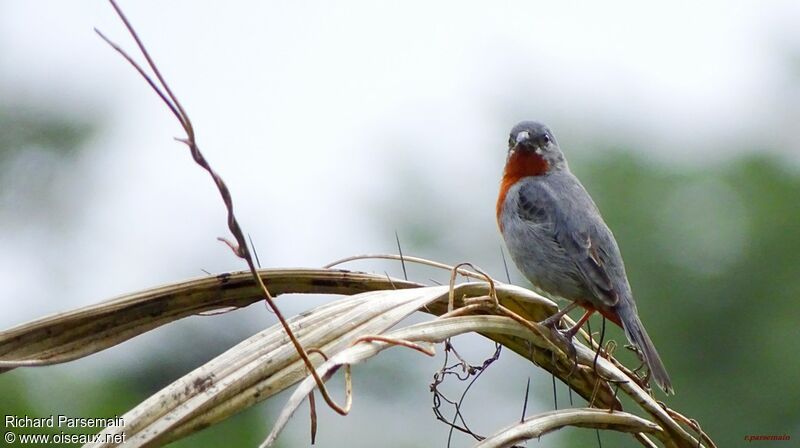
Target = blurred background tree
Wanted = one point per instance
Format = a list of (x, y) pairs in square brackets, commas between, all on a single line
[(713, 256)]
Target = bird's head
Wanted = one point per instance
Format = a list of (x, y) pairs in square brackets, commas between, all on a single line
[(533, 150)]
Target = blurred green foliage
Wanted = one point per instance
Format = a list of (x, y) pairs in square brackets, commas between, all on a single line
[(25, 127), (39, 147), (713, 256), (712, 252)]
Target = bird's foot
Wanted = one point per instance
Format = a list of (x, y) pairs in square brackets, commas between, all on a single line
[(555, 318), (563, 339)]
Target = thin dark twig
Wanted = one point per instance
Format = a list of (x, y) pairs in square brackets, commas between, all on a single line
[(240, 248), (389, 278), (505, 264), (458, 405), (461, 403), (453, 370), (400, 251), (255, 252), (312, 407), (465, 367), (181, 114), (141, 71), (555, 394), (599, 343), (597, 354), (525, 403)]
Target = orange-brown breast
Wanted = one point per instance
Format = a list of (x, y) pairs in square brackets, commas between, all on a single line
[(521, 163)]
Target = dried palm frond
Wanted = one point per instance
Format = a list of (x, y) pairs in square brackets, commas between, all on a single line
[(347, 331)]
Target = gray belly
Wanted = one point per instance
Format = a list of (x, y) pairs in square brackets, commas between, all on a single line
[(542, 261)]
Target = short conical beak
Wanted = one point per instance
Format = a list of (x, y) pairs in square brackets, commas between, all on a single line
[(522, 137)]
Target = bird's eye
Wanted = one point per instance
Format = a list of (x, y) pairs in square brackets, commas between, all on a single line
[(511, 141), (545, 139)]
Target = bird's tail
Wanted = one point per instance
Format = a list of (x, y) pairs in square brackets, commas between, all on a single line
[(637, 335)]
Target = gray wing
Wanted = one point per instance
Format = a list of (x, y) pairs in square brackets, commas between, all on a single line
[(578, 230)]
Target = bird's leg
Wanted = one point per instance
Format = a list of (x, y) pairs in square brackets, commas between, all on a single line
[(553, 320), (566, 342), (567, 335), (571, 332)]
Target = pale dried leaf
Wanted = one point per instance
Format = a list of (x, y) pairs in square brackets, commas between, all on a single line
[(71, 335), (254, 370), (538, 425)]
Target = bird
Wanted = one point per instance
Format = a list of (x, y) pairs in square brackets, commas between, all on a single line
[(559, 241)]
